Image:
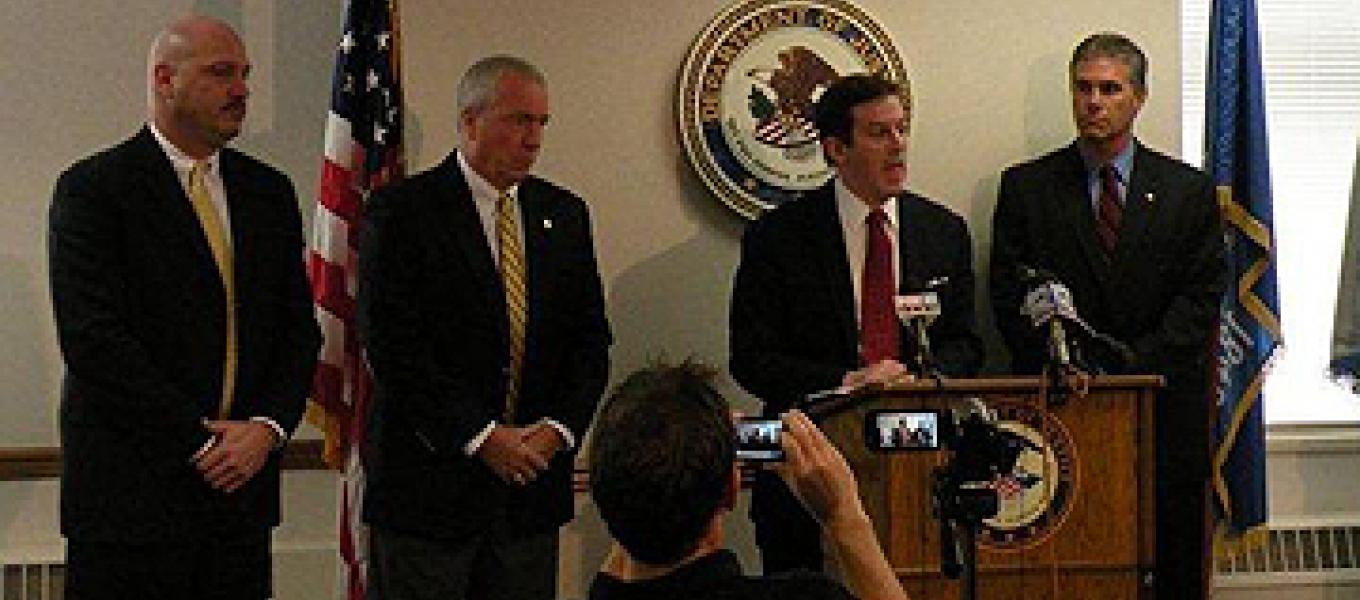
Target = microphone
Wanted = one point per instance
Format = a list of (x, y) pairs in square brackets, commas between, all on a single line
[(917, 309), (1049, 303)]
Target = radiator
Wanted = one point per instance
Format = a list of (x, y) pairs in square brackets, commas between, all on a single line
[(1294, 557), (31, 581), (1297, 556)]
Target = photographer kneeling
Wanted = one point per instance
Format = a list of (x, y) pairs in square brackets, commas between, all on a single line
[(663, 472)]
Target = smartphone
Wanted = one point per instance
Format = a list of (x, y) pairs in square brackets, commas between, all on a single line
[(758, 439), (902, 430)]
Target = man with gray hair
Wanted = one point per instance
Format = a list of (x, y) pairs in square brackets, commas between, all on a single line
[(189, 339), (482, 313), (1136, 236)]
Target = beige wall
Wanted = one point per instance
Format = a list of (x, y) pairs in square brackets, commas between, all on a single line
[(988, 75)]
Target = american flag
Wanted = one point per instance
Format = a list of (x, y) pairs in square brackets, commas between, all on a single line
[(775, 131), (363, 152), (1013, 485)]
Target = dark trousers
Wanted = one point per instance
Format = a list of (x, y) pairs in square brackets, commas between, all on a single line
[(1182, 540), (492, 566), (788, 537), (212, 567)]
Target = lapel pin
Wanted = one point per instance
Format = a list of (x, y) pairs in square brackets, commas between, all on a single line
[(547, 223)]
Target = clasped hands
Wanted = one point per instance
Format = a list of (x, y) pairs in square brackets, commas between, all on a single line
[(238, 451), (519, 454), (879, 374)]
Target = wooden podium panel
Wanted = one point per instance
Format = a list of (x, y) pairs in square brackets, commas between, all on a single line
[(1077, 514)]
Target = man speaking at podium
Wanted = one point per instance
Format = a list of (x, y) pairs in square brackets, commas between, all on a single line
[(812, 302), (1135, 236)]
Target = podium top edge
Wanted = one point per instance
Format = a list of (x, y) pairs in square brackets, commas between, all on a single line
[(1020, 384)]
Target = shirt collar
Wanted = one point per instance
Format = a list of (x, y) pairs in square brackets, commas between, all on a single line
[(1122, 162), (704, 573), (854, 211), (482, 189), (181, 161)]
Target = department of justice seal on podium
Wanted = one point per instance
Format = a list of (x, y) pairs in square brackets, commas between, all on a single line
[(748, 87), (1036, 496)]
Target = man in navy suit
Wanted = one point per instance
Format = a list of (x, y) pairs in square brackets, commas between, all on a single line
[(482, 311), (189, 339), (812, 301), (1136, 236)]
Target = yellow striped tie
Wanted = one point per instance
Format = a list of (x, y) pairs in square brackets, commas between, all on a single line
[(516, 306), (222, 255)]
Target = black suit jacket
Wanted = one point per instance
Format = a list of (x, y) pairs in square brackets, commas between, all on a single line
[(1159, 293), (140, 317), (432, 317), (793, 324)]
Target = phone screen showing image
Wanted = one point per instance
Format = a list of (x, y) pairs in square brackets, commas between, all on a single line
[(758, 439), (902, 430)]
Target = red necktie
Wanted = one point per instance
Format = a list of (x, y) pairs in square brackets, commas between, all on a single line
[(877, 318), (1109, 212)]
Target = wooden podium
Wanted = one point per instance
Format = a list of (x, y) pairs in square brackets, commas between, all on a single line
[(1076, 518)]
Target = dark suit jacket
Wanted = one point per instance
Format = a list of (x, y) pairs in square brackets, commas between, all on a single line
[(793, 324), (1159, 293), (140, 317), (432, 316)]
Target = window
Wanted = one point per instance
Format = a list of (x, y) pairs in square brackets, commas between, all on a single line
[(1312, 72)]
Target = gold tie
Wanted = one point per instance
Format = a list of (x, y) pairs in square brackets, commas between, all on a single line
[(222, 255), (516, 307)]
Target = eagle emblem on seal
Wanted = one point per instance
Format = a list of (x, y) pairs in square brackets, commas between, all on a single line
[(786, 121)]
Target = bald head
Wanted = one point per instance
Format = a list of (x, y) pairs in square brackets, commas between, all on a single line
[(196, 84)]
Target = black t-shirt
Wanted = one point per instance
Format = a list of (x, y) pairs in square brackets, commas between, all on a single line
[(718, 576)]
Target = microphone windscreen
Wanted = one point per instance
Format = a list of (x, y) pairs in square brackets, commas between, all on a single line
[(1048, 301), (924, 305)]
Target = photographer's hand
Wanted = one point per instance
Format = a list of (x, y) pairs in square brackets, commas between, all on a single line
[(817, 473), (821, 479)]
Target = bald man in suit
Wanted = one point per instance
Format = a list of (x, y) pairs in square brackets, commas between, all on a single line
[(189, 339)]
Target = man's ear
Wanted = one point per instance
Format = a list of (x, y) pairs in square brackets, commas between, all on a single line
[(162, 77), (834, 150), (729, 499), (467, 123)]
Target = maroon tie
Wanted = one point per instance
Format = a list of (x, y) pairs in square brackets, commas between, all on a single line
[(1110, 211), (877, 319)]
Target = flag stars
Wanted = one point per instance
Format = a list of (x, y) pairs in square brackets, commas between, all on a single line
[(347, 42), (373, 79), (383, 40), (379, 134), (348, 85)]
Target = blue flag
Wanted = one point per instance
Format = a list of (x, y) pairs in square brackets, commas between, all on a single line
[(1238, 160)]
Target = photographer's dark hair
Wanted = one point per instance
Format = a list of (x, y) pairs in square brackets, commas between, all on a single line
[(661, 455), (832, 113)]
